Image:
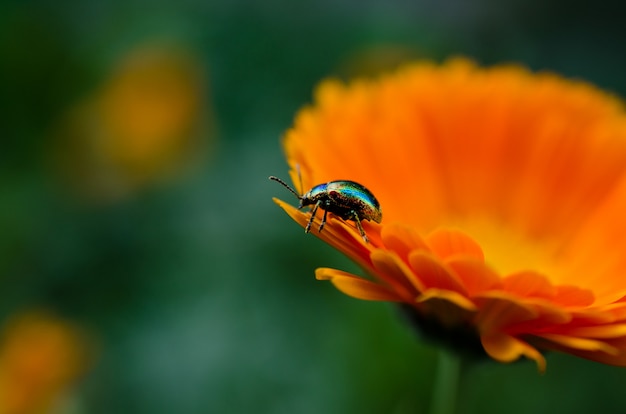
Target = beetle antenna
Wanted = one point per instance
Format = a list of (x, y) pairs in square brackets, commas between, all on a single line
[(284, 184)]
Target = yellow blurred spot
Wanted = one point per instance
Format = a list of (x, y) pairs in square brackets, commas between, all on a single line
[(148, 110), (149, 120), (40, 357)]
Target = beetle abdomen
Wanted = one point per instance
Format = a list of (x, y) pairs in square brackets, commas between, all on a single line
[(350, 198)]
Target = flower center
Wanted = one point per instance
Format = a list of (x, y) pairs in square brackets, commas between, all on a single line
[(508, 250)]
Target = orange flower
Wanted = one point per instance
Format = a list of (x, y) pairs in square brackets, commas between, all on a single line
[(147, 123), (41, 357), (503, 195)]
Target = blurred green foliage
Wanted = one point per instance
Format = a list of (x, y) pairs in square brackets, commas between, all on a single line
[(198, 292)]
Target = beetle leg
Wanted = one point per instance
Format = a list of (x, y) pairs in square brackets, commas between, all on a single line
[(358, 224), (323, 221), (308, 226)]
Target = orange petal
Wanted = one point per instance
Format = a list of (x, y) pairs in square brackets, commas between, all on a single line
[(602, 331), (434, 274), (607, 351), (542, 312), (475, 275), (389, 268), (401, 239), (617, 311), (529, 284), (447, 243), (495, 314), (505, 348), (581, 344), (449, 296), (573, 296), (334, 233), (448, 308), (596, 261), (597, 315), (355, 286)]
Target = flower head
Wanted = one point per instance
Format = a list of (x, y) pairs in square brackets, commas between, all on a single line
[(41, 356), (503, 194), (147, 122)]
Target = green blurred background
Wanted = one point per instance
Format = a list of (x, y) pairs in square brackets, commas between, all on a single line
[(136, 214)]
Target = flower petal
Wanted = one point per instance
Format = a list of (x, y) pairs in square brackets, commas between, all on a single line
[(393, 271), (336, 235), (475, 275), (402, 240), (602, 331), (495, 314), (505, 348), (446, 243), (433, 274), (456, 299), (573, 296), (581, 344), (593, 259), (529, 284), (355, 286), (543, 313)]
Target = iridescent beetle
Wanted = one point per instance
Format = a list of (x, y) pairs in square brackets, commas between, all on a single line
[(346, 199)]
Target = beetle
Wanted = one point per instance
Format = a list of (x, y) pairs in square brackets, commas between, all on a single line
[(346, 199)]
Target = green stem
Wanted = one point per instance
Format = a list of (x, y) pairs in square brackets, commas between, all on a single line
[(446, 383)]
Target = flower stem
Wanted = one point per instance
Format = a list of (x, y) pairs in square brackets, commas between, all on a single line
[(446, 383)]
